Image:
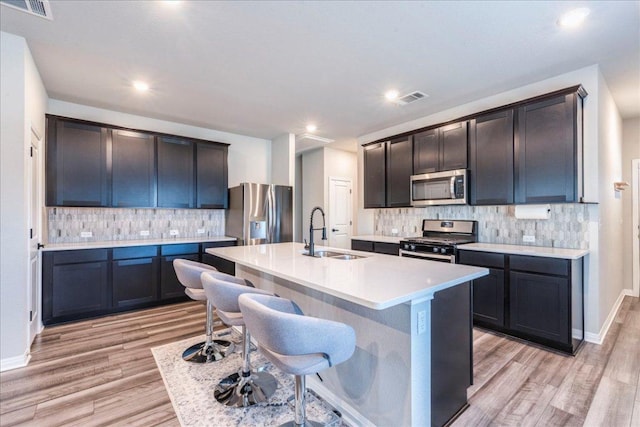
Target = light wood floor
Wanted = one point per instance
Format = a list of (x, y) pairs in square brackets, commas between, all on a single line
[(101, 372)]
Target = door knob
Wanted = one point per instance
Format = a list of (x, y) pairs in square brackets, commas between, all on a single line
[(334, 230)]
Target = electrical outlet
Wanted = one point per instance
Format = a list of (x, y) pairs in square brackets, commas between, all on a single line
[(173, 232), (201, 230), (529, 239), (422, 322), (144, 232), (86, 234)]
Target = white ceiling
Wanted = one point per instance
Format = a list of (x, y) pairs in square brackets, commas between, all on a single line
[(266, 68)]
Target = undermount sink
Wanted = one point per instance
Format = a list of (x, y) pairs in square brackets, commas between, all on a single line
[(336, 255)]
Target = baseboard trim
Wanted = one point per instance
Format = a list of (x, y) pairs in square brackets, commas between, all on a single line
[(599, 337), (10, 363)]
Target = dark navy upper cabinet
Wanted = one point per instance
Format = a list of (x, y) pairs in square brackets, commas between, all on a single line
[(440, 149), (546, 147), (176, 174), (211, 178), (133, 169), (399, 171), (77, 161), (491, 158), (375, 175)]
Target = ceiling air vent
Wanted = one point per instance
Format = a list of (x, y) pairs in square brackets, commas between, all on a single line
[(410, 97), (41, 8)]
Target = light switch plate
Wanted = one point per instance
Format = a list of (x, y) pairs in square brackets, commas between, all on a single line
[(422, 322), (529, 239), (144, 232), (86, 234), (173, 232), (201, 231)]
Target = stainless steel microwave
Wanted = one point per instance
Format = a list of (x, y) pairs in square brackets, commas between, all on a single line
[(439, 188)]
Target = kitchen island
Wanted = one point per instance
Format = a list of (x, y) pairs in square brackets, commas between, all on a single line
[(412, 318)]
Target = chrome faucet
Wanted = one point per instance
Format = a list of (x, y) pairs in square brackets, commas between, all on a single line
[(311, 230)]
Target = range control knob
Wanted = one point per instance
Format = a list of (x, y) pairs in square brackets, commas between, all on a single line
[(434, 249), (412, 247), (443, 250), (405, 246)]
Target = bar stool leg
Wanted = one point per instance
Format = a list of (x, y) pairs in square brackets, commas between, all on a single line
[(245, 387), (210, 350)]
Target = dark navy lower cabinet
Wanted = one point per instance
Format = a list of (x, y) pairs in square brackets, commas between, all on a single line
[(535, 298), (75, 285), (80, 284)]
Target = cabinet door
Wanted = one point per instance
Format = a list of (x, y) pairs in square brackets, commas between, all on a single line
[(170, 286), (74, 284), (175, 173), (133, 169), (220, 264), (491, 159), (539, 306), (211, 178), (386, 248), (374, 175), (453, 146), (362, 245), (76, 170), (546, 151), (426, 148), (488, 298), (135, 281), (399, 171)]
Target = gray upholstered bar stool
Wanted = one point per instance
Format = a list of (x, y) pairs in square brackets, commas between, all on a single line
[(188, 273), (245, 387), (296, 344)]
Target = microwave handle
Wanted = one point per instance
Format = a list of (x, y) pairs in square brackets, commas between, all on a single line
[(452, 188)]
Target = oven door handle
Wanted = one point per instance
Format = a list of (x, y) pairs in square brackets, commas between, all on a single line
[(423, 255)]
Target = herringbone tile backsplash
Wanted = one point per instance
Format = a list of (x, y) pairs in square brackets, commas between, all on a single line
[(567, 227)]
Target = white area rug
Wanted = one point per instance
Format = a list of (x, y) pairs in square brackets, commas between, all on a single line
[(191, 386)]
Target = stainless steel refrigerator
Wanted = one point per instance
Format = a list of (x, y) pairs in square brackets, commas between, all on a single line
[(260, 213)]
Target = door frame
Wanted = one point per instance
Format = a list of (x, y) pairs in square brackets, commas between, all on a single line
[(635, 185), (35, 218)]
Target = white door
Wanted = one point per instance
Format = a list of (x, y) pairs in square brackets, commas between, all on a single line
[(339, 229), (35, 220)]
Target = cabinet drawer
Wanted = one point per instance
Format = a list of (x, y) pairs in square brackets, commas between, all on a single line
[(135, 252), (386, 248), (558, 267), (220, 244), (481, 259), (362, 245), (85, 255), (190, 248)]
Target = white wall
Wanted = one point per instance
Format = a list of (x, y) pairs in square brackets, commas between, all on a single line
[(283, 152), (312, 190), (630, 151), (23, 101), (249, 157), (610, 281), (297, 205)]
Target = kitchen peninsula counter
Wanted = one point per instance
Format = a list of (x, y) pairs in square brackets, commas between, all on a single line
[(401, 309)]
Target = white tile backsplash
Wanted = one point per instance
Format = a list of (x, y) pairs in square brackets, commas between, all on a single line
[(567, 226), (64, 225)]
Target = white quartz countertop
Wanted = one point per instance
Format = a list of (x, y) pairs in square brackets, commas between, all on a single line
[(540, 251), (138, 242), (383, 239), (377, 281)]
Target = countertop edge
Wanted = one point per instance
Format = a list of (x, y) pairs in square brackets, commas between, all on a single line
[(538, 251), (51, 247)]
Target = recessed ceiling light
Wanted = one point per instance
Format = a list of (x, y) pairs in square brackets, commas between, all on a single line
[(171, 2), (311, 128), (574, 17), (391, 95), (140, 86)]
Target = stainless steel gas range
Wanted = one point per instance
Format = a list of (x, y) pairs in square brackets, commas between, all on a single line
[(440, 239)]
